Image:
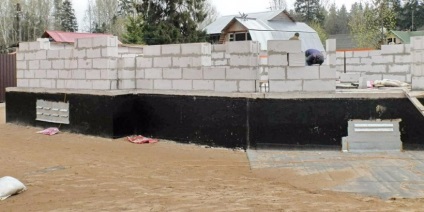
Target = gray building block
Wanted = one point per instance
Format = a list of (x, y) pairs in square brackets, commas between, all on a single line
[(109, 74), (277, 73), (360, 54), (172, 73), (78, 53), (378, 69), (243, 47), (47, 83), (319, 85), (34, 83), (330, 45), (393, 49), (417, 43), (71, 64), (41, 55), (418, 83), (383, 59), (109, 52), (172, 49), (45, 64), (29, 74), (278, 60), (94, 53), (350, 77), (403, 59), (143, 62), (152, 50), (23, 47), (52, 74), (247, 86), (77, 74), (144, 84), (305, 72), (84, 43), (219, 48), (203, 85), (285, 86), (417, 69), (139, 74), (196, 49), (162, 62), (192, 73), (226, 86), (244, 60), (182, 85), (21, 65), (162, 84), (23, 83), (104, 63), (296, 59), (85, 63), (40, 74), (403, 69), (65, 74), (34, 64), (58, 64), (327, 72), (101, 84), (212, 73), (284, 46), (127, 84), (93, 74), (241, 74), (153, 73)]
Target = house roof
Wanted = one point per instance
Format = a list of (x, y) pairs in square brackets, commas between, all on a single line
[(405, 36), (69, 37), (263, 27)]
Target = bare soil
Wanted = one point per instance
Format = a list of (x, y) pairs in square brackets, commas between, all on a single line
[(70, 172)]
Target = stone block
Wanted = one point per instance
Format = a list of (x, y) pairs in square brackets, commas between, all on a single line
[(192, 73), (243, 47), (418, 83), (227, 86), (20, 74), (403, 59), (71, 64), (153, 73), (127, 63), (22, 83), (327, 72), (330, 45), (41, 55), (223, 62), (172, 49), (34, 64), (143, 62), (85, 63), (393, 49), (417, 69), (109, 74), (34, 83), (104, 63), (247, 86), (101, 85), (127, 84), (144, 84), (366, 61), (78, 74), (92, 74), (52, 74), (360, 54), (78, 53), (319, 85), (23, 47), (172, 73), (21, 65), (277, 73), (218, 55), (65, 74), (20, 56), (109, 52), (66, 53), (276, 86), (94, 53), (47, 83), (244, 60), (284, 46), (126, 74), (399, 68), (383, 59), (196, 49), (154, 50), (162, 84), (401, 78), (40, 74), (296, 59), (353, 61), (219, 47), (58, 64), (85, 84), (241, 74), (363, 68), (111, 41), (417, 43), (213, 73), (378, 69), (139, 74), (83, 43), (182, 85), (278, 60), (162, 62), (306, 72), (203, 85)]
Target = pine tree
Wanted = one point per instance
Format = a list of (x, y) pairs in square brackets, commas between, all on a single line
[(309, 10), (331, 21), (134, 30), (68, 21), (342, 21)]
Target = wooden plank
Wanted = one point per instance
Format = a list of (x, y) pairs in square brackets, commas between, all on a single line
[(414, 101)]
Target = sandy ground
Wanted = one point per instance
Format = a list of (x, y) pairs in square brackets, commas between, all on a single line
[(69, 172)]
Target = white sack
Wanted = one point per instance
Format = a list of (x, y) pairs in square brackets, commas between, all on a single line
[(10, 186)]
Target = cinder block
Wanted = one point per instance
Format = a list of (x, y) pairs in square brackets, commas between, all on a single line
[(40, 74), (173, 49), (196, 49), (20, 56), (284, 46), (47, 83), (162, 84), (109, 74), (226, 86), (201, 61), (84, 43), (20, 74), (94, 53), (144, 84), (366, 60), (378, 69), (247, 86), (52, 74), (285, 86), (34, 46), (277, 73), (71, 64), (143, 62), (34, 64), (111, 41), (182, 85), (244, 60), (153, 73), (383, 59), (101, 85), (399, 68), (243, 47), (417, 43), (319, 85), (219, 47), (203, 85), (212, 73), (22, 83), (331, 60), (23, 46), (66, 53), (58, 64), (78, 53), (126, 74), (78, 74), (109, 52), (60, 84), (278, 60), (125, 84), (21, 65), (41, 55), (399, 77), (296, 59), (241, 74), (350, 77), (85, 84), (218, 55), (192, 73), (85, 63), (71, 84), (330, 45), (418, 83), (172, 73), (92, 74), (353, 61), (162, 62), (361, 54), (306, 72), (127, 63), (392, 49), (403, 58), (34, 83), (361, 68), (65, 74), (139, 74), (104, 63), (326, 72), (223, 62), (369, 76), (152, 50)]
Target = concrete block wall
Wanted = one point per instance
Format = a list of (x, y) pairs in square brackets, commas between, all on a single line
[(417, 48), (391, 62), (287, 71), (91, 64)]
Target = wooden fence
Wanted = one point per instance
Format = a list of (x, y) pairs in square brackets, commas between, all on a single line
[(7, 73)]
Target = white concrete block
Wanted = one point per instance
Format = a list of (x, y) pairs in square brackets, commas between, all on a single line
[(212, 73), (392, 49), (340, 55), (20, 56), (192, 73), (143, 62), (330, 45), (373, 76), (172, 49), (71, 84), (296, 59), (47, 83), (85, 84), (172, 73), (103, 63), (162, 62), (34, 83), (126, 74), (362, 68), (92, 74), (127, 84), (52, 74), (247, 86), (101, 85), (219, 47), (21, 65), (218, 55), (45, 64), (383, 59), (162, 84), (41, 55), (34, 46), (153, 73), (58, 64), (403, 58), (109, 52), (19, 74), (399, 68), (203, 85), (78, 74), (196, 49), (319, 85), (127, 63), (417, 43), (85, 63), (34, 64), (418, 83), (94, 53), (60, 84), (23, 46), (327, 72), (22, 83), (226, 86), (84, 43), (79, 53), (353, 61), (366, 60), (285, 86), (40, 74), (284, 46), (417, 56), (378, 69), (29, 74), (360, 54), (66, 53), (278, 60), (243, 47), (306, 72), (399, 77), (241, 74), (144, 84), (408, 48), (375, 53), (331, 60), (182, 85), (71, 64), (30, 56), (244, 60), (111, 41), (349, 77), (65, 74), (109, 74), (417, 69), (277, 73), (223, 62), (139, 74), (152, 50)]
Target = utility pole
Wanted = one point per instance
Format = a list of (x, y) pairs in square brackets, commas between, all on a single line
[(18, 21)]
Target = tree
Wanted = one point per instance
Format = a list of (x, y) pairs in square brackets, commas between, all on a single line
[(309, 10), (134, 30), (364, 26), (277, 4), (330, 25), (211, 14), (342, 21), (323, 36), (68, 21), (411, 15), (169, 21)]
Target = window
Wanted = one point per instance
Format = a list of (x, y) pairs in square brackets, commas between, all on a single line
[(240, 36)]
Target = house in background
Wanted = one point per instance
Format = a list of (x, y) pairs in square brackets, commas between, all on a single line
[(261, 27), (60, 39), (402, 37)]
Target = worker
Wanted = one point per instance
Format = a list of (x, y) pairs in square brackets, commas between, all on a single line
[(295, 37), (314, 56)]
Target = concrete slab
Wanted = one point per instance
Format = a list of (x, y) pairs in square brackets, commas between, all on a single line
[(384, 175)]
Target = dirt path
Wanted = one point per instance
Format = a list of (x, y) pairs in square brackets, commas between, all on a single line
[(69, 172)]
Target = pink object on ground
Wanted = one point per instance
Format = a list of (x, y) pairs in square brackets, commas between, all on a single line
[(139, 139), (49, 131)]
